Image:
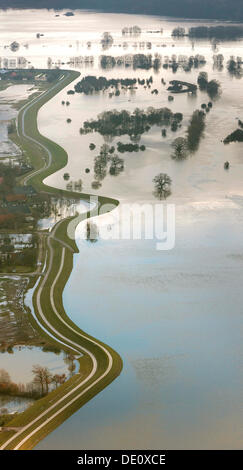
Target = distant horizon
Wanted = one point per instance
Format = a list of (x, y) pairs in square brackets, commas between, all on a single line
[(221, 10)]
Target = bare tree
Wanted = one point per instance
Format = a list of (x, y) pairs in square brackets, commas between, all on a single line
[(180, 148), (47, 378), (40, 376), (70, 358), (55, 379), (4, 376), (162, 186), (59, 379)]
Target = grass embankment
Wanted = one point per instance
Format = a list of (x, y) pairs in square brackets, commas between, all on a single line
[(85, 361), (36, 155), (53, 283)]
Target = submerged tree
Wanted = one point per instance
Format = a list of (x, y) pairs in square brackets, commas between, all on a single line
[(92, 232), (202, 80), (213, 88), (162, 186), (96, 184), (4, 376), (70, 361), (106, 40), (178, 32), (58, 379), (116, 166), (195, 130), (180, 148), (42, 377), (100, 167), (14, 46), (234, 66)]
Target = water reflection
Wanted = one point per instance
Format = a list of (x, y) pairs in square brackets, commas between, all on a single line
[(162, 185), (61, 208), (10, 404), (164, 312), (17, 384)]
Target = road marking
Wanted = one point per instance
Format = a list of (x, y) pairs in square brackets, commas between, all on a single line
[(40, 311)]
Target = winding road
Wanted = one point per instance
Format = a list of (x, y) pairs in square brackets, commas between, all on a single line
[(99, 355)]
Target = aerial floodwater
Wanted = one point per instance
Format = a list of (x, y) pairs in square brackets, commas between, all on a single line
[(174, 316)]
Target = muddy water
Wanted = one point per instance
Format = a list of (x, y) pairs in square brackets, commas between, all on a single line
[(174, 316)]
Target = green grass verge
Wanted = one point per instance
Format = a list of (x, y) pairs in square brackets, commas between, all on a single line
[(37, 156)]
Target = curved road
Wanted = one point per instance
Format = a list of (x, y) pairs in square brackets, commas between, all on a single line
[(63, 339)]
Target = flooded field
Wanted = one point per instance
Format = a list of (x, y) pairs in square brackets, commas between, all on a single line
[(175, 316), (8, 99)]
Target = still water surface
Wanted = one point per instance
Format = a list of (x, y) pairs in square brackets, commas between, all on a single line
[(174, 316)]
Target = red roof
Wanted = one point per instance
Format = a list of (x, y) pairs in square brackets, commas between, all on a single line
[(16, 197), (4, 217)]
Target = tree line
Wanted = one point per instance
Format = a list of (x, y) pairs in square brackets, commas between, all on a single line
[(117, 123), (223, 32), (208, 9), (41, 383)]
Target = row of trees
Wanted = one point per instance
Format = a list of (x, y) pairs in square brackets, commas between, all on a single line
[(162, 186), (106, 40), (219, 9), (218, 32), (210, 32), (42, 381), (30, 74), (8, 387), (91, 84), (27, 257), (234, 66), (183, 146), (43, 378), (146, 62), (123, 148), (132, 31)]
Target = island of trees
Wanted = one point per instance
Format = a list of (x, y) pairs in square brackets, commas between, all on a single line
[(117, 123), (183, 146), (234, 66), (91, 84), (106, 163), (216, 32), (212, 87), (236, 136), (147, 61)]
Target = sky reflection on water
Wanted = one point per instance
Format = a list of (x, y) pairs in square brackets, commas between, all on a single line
[(175, 317)]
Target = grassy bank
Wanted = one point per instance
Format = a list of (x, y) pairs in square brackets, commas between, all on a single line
[(47, 157)]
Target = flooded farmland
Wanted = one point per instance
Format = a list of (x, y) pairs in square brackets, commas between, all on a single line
[(174, 316)]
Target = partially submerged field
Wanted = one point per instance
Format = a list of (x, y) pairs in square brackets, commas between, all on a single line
[(99, 364)]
